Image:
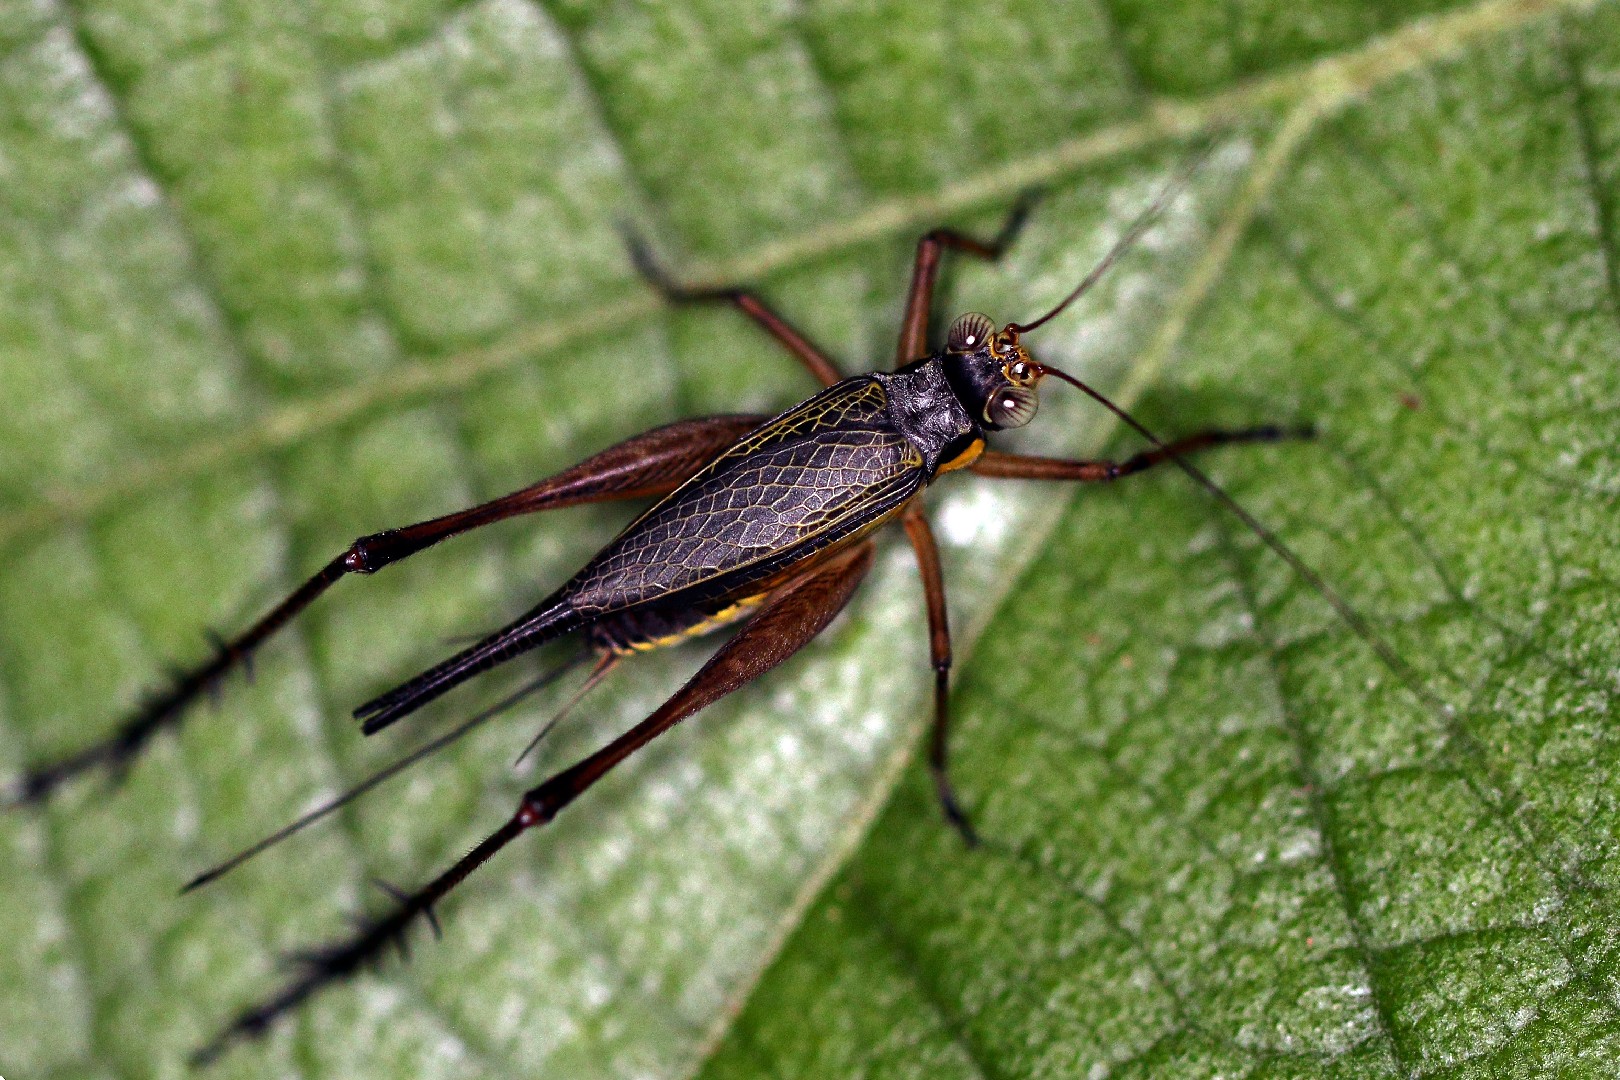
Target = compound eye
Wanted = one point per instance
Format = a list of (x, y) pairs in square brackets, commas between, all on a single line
[(970, 333), (1011, 407)]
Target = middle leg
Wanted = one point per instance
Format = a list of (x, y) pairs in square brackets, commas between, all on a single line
[(921, 536)]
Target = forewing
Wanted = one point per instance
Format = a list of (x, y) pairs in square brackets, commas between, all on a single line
[(825, 470)]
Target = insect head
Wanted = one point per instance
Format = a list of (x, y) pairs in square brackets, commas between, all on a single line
[(992, 372)]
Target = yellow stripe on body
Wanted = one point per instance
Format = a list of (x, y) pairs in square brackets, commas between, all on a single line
[(720, 618), (964, 459)]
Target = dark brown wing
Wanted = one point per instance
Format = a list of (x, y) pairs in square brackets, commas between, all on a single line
[(819, 473)]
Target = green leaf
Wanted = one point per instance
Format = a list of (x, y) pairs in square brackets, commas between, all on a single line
[(273, 276)]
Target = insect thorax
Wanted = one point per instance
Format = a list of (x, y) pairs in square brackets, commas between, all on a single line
[(925, 408)]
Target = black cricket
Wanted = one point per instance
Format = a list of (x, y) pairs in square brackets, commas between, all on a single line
[(766, 522)]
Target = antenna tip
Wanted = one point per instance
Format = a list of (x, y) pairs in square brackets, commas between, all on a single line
[(212, 874)]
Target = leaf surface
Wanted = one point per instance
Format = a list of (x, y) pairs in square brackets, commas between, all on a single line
[(273, 276)]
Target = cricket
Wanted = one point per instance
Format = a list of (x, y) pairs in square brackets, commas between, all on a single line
[(762, 524)]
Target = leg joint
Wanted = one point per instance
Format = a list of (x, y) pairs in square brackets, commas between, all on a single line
[(371, 553), (539, 806)]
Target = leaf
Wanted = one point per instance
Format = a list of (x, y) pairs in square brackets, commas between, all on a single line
[(273, 276)]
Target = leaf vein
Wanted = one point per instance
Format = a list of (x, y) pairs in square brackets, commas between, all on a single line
[(1311, 781)]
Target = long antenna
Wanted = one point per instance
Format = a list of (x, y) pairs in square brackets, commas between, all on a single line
[(386, 773), (1144, 221)]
